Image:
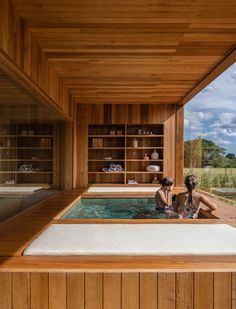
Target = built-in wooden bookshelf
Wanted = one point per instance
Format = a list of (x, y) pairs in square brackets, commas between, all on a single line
[(26, 154), (115, 144)]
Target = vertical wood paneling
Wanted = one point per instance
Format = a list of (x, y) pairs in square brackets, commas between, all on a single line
[(57, 155), (179, 148), (21, 291), (116, 290), (222, 290), (67, 151), (75, 291), (234, 290), (112, 291), (130, 290), (6, 290), (4, 24), (75, 148), (107, 114), (144, 113), (166, 290), (133, 113), (57, 290), (184, 290), (93, 291), (82, 147), (148, 290), (169, 143), (203, 291), (39, 291), (11, 31), (53, 83)]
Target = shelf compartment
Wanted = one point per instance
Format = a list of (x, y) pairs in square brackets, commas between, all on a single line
[(97, 166), (34, 135), (106, 178), (140, 166), (106, 160), (26, 144), (105, 129), (143, 178), (7, 166), (115, 154), (145, 136), (138, 153), (7, 176), (134, 129), (134, 148), (106, 136), (95, 148), (34, 130), (107, 142), (142, 160), (145, 142), (33, 178)]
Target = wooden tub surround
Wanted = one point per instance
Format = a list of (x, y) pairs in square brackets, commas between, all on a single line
[(107, 281)]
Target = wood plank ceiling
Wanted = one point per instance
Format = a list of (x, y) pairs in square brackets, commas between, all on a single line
[(133, 51), (17, 106)]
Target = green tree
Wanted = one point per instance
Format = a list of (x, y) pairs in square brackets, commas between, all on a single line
[(201, 152), (230, 156)]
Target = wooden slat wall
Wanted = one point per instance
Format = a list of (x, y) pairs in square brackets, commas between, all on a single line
[(131, 114), (23, 50), (132, 290), (11, 32)]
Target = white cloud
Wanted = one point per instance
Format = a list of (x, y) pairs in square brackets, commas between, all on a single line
[(209, 88), (233, 75), (212, 112), (186, 123), (199, 133), (204, 115), (223, 142), (194, 121)]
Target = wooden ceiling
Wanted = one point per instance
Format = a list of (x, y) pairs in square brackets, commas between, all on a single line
[(133, 51), (16, 105)]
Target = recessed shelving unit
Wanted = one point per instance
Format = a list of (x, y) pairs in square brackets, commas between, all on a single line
[(26, 154), (114, 144)]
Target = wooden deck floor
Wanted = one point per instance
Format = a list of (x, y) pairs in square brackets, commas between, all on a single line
[(15, 236)]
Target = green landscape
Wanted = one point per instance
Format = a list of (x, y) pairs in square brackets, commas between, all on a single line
[(210, 162)]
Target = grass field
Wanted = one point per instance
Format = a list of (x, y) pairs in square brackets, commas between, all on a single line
[(213, 177)]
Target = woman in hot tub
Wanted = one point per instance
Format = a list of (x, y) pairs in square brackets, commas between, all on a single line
[(187, 204), (164, 199)]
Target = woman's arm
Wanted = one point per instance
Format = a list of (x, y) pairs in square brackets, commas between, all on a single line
[(160, 197), (211, 205)]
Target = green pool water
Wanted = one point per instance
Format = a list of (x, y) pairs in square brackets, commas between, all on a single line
[(114, 208)]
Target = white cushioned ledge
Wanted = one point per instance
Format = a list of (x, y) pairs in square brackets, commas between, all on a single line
[(123, 189), (135, 239), (19, 189)]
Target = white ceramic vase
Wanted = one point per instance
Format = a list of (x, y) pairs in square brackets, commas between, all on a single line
[(155, 155)]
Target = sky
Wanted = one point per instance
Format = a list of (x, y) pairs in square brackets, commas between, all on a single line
[(211, 114)]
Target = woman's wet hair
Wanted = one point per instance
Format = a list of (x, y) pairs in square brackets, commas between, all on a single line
[(191, 183), (167, 181)]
